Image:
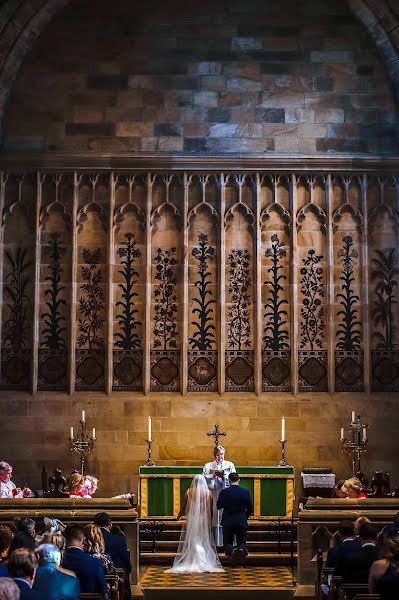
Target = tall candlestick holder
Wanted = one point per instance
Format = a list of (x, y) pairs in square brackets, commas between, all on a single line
[(283, 462), (149, 462), (355, 443), (83, 444)]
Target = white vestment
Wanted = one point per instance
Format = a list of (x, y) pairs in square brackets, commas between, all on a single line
[(6, 490), (216, 484)]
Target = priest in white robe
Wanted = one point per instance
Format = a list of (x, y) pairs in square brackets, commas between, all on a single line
[(217, 475)]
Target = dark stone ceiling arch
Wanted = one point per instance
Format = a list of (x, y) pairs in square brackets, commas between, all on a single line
[(22, 21)]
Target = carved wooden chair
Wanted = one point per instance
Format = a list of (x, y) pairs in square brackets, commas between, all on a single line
[(57, 486)]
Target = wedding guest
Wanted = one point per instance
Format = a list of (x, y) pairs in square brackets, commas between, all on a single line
[(359, 522), (217, 475), (337, 555), (8, 489), (115, 546), (6, 536), (94, 545), (22, 568), (87, 568), (356, 567), (386, 566), (8, 589), (90, 485), (353, 488), (25, 535), (338, 489), (76, 485), (50, 580), (237, 507)]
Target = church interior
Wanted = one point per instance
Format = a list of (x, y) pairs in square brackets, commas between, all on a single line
[(199, 248)]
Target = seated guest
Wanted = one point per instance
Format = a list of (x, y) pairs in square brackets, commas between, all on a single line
[(353, 488), (87, 568), (348, 545), (8, 589), (6, 536), (76, 485), (94, 545), (8, 489), (338, 489), (384, 573), (90, 485), (25, 535), (22, 568), (49, 580), (356, 567), (359, 521), (115, 546)]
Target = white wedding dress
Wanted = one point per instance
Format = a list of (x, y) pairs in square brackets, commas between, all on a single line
[(196, 552)]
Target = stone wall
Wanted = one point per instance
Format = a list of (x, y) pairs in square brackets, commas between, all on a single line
[(35, 431), (228, 78)]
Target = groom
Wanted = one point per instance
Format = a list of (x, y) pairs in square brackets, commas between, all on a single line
[(237, 507)]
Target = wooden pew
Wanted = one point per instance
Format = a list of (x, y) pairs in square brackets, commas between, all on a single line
[(82, 511)]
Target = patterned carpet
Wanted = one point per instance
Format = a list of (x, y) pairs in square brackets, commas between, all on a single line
[(155, 576)]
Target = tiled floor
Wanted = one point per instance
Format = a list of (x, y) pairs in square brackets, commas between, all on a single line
[(155, 576)]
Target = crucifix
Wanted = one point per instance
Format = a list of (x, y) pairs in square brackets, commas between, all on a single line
[(217, 434)]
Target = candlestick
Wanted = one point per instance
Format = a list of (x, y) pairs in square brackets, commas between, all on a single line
[(149, 462), (149, 429), (283, 462), (283, 429), (82, 444), (356, 441)]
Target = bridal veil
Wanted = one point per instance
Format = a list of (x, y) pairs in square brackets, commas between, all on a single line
[(196, 552)]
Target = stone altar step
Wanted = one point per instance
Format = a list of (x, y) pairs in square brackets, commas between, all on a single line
[(258, 558), (273, 546)]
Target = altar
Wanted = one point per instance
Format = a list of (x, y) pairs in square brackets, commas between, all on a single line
[(162, 490)]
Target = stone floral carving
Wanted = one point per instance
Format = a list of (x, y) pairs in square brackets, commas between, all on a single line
[(203, 337), (312, 312), (349, 332), (276, 335), (239, 327)]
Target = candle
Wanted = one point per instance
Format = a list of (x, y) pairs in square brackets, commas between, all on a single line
[(93, 435), (71, 433), (342, 434), (283, 429), (83, 416), (364, 437), (353, 416), (149, 429)]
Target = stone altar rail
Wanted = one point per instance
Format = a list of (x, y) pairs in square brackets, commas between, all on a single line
[(82, 511), (318, 522)]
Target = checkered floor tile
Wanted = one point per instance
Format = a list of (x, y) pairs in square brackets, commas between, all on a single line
[(155, 576)]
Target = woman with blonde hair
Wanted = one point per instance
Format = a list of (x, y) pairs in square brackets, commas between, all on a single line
[(353, 488), (384, 573), (76, 485), (94, 545)]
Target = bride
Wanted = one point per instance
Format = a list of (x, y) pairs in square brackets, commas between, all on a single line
[(196, 552)]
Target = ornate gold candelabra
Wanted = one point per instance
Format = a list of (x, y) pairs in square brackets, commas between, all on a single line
[(83, 444), (356, 441)]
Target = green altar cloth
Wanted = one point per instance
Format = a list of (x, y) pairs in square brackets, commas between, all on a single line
[(162, 490)]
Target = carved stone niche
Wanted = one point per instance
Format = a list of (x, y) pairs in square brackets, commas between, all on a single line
[(165, 370)]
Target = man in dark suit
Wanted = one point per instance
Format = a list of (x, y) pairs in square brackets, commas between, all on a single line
[(115, 546), (347, 546), (49, 580), (88, 569), (356, 567), (22, 568), (237, 507)]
